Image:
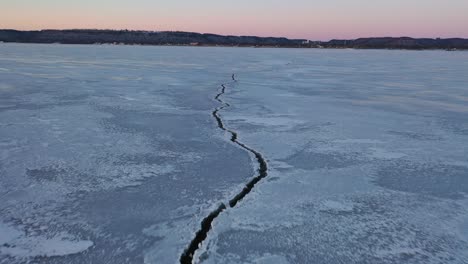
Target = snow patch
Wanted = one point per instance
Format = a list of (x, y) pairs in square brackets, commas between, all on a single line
[(17, 244), (380, 153), (5, 87), (358, 141), (330, 205), (271, 121)]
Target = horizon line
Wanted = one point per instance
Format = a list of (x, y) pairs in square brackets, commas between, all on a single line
[(220, 34)]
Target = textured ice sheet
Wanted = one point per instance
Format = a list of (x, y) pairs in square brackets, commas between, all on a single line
[(370, 168), (110, 154), (16, 244), (100, 146)]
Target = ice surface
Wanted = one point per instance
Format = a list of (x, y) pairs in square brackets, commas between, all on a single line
[(107, 144), (16, 244), (111, 154), (370, 168)]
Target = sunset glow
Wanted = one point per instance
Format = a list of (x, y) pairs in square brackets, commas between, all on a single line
[(317, 20)]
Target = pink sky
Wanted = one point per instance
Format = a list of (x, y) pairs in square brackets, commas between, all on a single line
[(294, 18)]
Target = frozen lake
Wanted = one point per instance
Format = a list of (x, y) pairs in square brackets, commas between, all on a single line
[(114, 154)]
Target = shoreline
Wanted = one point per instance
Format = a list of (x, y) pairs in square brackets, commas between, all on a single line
[(230, 46), (180, 38)]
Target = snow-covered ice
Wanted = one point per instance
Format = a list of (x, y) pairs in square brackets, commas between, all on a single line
[(111, 154), (16, 244), (370, 168), (108, 144)]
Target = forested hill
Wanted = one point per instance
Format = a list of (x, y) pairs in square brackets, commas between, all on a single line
[(399, 43), (141, 37), (85, 36)]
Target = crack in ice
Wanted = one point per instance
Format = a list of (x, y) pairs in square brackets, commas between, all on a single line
[(202, 233)]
